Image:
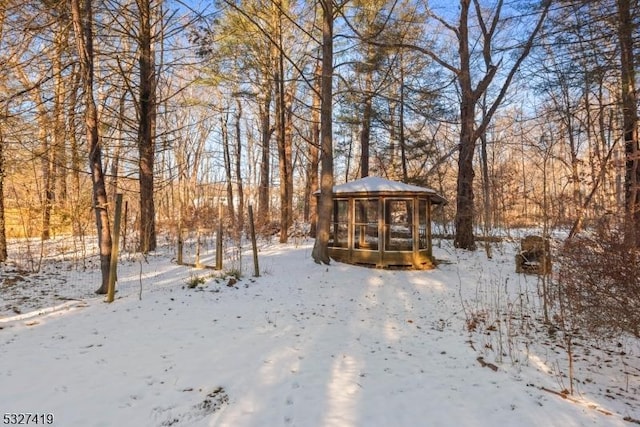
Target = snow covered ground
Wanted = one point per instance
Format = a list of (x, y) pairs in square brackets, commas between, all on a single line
[(301, 345)]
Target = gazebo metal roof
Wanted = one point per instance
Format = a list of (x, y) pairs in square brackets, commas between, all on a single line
[(374, 185)]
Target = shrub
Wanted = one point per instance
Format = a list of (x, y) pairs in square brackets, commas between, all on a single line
[(600, 283), (195, 280)]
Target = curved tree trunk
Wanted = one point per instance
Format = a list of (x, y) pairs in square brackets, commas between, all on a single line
[(470, 95), (83, 28)]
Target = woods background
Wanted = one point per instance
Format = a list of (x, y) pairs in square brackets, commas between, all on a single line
[(521, 113)]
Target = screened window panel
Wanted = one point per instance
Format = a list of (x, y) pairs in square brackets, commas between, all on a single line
[(365, 231), (398, 225), (339, 237)]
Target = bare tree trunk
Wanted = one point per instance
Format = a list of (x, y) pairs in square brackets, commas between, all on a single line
[(52, 158), (486, 193), (630, 123), (348, 156), (115, 162), (401, 137), (45, 155), (146, 129), (469, 132), (392, 163), (240, 222), (464, 237), (75, 160), (48, 180), (365, 131), (263, 192), (59, 133), (3, 231), (227, 166), (464, 201), (605, 125), (284, 150), (573, 153), (288, 150), (3, 228), (314, 153), (524, 212), (191, 171), (83, 28), (320, 251)]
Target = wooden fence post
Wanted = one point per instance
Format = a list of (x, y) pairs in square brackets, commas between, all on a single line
[(115, 245), (252, 228), (219, 239), (198, 264), (180, 245), (124, 226)]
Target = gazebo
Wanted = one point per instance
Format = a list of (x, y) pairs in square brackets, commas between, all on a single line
[(382, 223)]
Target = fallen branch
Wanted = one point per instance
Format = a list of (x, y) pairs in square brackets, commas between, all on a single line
[(565, 395), (484, 364)]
